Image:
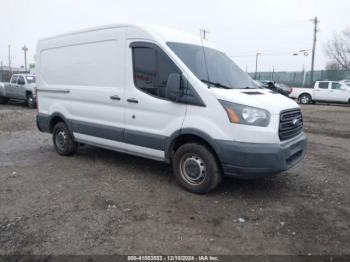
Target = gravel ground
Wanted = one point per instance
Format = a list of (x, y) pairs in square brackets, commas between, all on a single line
[(103, 202)]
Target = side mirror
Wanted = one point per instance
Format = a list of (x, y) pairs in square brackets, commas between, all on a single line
[(172, 88)]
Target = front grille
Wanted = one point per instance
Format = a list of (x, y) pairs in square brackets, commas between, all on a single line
[(291, 124)]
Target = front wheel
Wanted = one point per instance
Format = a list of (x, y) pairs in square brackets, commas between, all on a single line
[(305, 99), (31, 103), (3, 100), (63, 140), (196, 168)]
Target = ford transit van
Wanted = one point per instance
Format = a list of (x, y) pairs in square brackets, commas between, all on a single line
[(165, 95)]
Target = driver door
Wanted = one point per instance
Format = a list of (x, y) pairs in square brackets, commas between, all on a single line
[(338, 93), (150, 118), (20, 89), (322, 91)]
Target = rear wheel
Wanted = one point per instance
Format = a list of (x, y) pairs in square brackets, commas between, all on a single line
[(63, 140), (305, 99), (3, 100), (196, 168), (31, 103)]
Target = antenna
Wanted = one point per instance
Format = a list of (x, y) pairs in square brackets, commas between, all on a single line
[(203, 50)]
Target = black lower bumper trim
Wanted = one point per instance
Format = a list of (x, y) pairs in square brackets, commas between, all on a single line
[(253, 160)]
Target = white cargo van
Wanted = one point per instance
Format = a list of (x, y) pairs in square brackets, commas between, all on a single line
[(161, 94)]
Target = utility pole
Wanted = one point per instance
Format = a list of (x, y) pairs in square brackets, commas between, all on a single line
[(256, 64), (25, 49), (10, 58), (315, 21), (2, 76)]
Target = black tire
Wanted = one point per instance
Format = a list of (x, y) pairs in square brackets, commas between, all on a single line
[(63, 140), (3, 100), (31, 103), (196, 168), (305, 99)]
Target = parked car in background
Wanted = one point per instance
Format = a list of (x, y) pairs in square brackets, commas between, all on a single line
[(347, 82), (323, 91), (153, 95), (287, 89), (20, 87), (277, 87)]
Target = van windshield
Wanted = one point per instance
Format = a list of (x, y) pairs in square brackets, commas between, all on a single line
[(222, 71)]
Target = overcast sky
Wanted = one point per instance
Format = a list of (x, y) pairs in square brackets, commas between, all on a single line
[(241, 28)]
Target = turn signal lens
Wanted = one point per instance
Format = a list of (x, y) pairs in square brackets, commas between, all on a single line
[(234, 118), (245, 115)]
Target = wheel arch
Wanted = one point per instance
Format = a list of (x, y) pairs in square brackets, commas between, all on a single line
[(187, 135), (305, 93), (56, 118)]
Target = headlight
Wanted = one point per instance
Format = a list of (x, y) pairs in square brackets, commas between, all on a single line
[(246, 115)]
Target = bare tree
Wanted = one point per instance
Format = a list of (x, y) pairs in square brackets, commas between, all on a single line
[(338, 49), (332, 66)]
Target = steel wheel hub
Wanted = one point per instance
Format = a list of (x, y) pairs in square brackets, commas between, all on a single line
[(61, 139), (192, 169), (305, 99)]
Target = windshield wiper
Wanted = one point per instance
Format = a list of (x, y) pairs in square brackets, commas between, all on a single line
[(215, 84)]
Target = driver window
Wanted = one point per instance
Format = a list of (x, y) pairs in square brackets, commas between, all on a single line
[(151, 70), (20, 80), (336, 86)]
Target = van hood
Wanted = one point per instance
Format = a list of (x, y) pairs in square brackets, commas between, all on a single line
[(261, 98)]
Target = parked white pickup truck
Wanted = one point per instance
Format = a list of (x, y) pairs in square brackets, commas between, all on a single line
[(20, 87), (323, 91)]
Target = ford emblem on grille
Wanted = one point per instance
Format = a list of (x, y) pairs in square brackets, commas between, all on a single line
[(291, 124), (295, 121)]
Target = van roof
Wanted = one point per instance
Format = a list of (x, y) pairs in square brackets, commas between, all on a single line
[(165, 33)]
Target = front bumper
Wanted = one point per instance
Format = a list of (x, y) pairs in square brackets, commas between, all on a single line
[(253, 160)]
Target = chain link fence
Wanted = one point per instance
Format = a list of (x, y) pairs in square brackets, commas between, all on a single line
[(301, 78)]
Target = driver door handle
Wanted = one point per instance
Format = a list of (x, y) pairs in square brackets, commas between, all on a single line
[(115, 97), (132, 100)]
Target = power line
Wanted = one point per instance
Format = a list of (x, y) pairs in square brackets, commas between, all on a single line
[(271, 53)]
